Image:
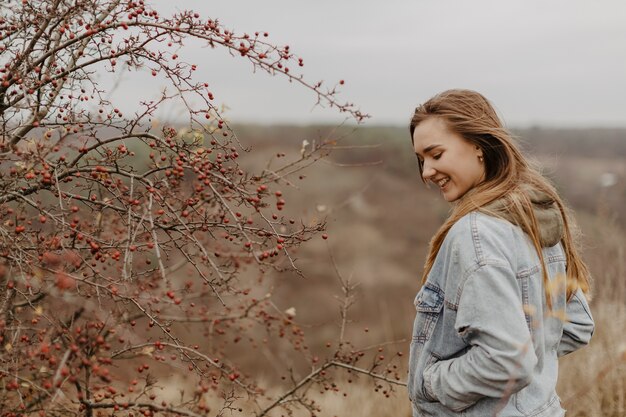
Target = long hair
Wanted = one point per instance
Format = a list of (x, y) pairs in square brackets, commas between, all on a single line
[(507, 175)]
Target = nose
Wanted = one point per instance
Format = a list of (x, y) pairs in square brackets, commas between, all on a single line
[(427, 171)]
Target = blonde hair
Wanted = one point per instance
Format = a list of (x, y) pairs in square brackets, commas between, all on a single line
[(507, 174)]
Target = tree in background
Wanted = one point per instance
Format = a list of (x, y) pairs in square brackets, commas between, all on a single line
[(131, 251)]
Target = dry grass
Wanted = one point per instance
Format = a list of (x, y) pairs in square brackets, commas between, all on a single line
[(592, 382), (361, 400)]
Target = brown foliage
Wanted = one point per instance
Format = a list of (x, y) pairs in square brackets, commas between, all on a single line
[(130, 249)]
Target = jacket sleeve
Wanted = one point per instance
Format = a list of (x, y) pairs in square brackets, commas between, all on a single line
[(501, 359), (578, 325)]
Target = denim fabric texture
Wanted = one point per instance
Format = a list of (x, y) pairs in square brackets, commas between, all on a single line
[(484, 341)]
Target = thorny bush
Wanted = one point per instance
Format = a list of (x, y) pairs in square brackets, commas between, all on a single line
[(123, 242)]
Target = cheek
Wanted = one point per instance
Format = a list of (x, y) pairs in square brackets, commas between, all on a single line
[(471, 171), (479, 173)]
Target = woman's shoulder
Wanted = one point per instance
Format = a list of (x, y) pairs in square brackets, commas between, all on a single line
[(477, 224), (485, 237)]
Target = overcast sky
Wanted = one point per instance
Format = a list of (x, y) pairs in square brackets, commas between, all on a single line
[(550, 63)]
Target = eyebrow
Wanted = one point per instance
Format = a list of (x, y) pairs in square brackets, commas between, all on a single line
[(429, 148)]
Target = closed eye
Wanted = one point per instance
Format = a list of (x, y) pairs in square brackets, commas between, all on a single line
[(437, 156)]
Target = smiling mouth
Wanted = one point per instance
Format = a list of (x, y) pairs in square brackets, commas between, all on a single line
[(442, 182)]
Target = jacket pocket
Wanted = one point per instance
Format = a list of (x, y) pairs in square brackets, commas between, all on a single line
[(426, 383), (428, 303), (551, 408)]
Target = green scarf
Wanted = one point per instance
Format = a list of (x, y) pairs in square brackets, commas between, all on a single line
[(546, 212)]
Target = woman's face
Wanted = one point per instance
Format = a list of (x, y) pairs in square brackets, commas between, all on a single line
[(449, 161)]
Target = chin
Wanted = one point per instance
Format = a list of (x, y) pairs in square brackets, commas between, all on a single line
[(452, 197), (449, 197)]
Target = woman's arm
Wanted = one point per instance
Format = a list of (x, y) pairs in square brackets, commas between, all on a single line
[(490, 318), (578, 325)]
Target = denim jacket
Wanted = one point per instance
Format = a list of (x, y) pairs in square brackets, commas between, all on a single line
[(484, 342)]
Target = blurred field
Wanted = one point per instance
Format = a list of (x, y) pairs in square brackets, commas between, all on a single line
[(380, 218)]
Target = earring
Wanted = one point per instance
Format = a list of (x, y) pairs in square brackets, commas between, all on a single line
[(480, 158)]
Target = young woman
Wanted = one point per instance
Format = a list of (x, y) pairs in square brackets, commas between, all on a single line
[(504, 289)]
